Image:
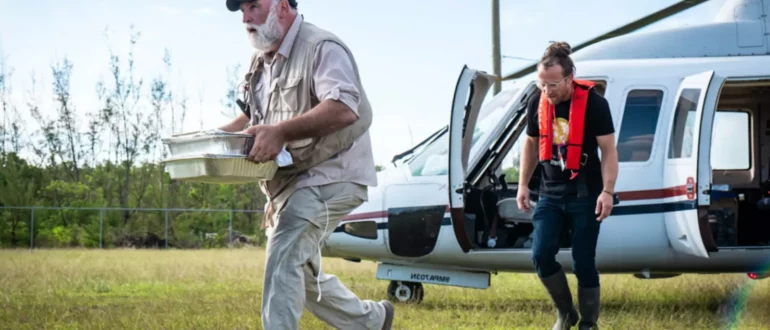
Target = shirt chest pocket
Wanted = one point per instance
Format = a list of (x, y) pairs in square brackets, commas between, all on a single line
[(285, 100), (285, 93)]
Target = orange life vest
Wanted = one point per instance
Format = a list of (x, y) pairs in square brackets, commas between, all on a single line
[(547, 112)]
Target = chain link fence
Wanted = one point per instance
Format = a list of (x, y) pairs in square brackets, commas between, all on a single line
[(162, 228)]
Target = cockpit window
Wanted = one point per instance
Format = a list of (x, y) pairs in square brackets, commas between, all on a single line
[(433, 159)]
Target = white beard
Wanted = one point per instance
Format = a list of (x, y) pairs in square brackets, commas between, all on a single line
[(267, 34)]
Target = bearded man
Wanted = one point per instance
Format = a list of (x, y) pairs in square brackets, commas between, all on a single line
[(304, 93)]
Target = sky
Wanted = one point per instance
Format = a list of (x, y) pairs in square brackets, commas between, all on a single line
[(409, 56)]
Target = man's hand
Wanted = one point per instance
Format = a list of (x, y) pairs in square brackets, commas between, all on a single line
[(603, 206), (609, 164), (268, 142), (522, 199)]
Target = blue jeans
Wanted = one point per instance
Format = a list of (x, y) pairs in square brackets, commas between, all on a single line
[(549, 219)]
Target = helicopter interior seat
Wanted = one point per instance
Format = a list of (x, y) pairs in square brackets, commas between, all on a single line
[(508, 211)]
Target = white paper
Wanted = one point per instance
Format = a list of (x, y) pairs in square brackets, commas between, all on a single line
[(283, 158)]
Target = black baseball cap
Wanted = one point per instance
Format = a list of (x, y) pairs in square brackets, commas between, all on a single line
[(234, 5)]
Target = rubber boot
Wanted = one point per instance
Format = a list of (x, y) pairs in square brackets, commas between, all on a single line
[(588, 300), (558, 288)]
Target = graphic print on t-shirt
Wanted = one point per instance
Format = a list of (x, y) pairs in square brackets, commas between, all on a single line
[(560, 131), (560, 138)]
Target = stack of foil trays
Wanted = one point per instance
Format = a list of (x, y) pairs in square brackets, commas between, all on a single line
[(215, 157)]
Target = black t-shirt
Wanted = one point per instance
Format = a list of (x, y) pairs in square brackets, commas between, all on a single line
[(556, 183)]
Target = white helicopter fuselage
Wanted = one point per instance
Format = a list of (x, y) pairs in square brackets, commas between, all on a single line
[(689, 176)]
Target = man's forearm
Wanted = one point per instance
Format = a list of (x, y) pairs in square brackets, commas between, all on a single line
[(609, 169), (327, 117)]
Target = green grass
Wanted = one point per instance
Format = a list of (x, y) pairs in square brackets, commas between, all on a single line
[(220, 289)]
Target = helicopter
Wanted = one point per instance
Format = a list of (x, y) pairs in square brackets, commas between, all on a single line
[(691, 110)]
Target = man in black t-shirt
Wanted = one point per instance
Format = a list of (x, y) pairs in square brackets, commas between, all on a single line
[(575, 190), (556, 182)]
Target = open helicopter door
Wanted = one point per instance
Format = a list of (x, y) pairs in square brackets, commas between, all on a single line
[(472, 86), (687, 172)]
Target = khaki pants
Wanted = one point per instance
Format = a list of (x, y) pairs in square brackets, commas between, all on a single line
[(293, 263)]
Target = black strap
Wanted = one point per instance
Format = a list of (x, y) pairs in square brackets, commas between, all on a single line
[(582, 186), (244, 108)]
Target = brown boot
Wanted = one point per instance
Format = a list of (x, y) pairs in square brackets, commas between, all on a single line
[(558, 287)]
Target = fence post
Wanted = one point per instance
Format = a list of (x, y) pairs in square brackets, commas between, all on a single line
[(31, 228), (101, 228), (230, 231), (166, 229)]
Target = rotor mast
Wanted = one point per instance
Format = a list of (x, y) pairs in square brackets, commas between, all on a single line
[(496, 45)]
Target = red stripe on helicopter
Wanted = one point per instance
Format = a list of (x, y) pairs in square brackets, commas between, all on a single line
[(653, 194), (635, 195), (366, 215)]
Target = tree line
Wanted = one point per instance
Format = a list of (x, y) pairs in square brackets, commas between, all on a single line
[(110, 158)]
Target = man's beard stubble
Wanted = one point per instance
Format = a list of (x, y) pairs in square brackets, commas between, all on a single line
[(267, 34), (560, 97)]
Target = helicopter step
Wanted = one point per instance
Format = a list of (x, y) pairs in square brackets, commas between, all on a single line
[(459, 278)]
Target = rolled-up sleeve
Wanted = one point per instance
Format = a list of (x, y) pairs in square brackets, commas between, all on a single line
[(334, 77)]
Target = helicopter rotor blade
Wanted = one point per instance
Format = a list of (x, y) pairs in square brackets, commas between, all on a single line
[(625, 29)]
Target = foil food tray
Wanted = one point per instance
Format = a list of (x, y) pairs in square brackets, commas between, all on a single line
[(219, 169), (212, 142)]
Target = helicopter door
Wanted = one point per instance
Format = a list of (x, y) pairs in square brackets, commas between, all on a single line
[(471, 88), (687, 172)]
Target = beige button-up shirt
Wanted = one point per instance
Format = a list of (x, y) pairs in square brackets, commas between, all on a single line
[(333, 79)]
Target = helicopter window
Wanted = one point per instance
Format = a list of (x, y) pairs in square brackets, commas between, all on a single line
[(510, 165), (640, 119), (731, 142), (684, 124), (362, 229), (600, 87), (434, 158)]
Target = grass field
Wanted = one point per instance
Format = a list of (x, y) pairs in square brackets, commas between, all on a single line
[(220, 289)]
